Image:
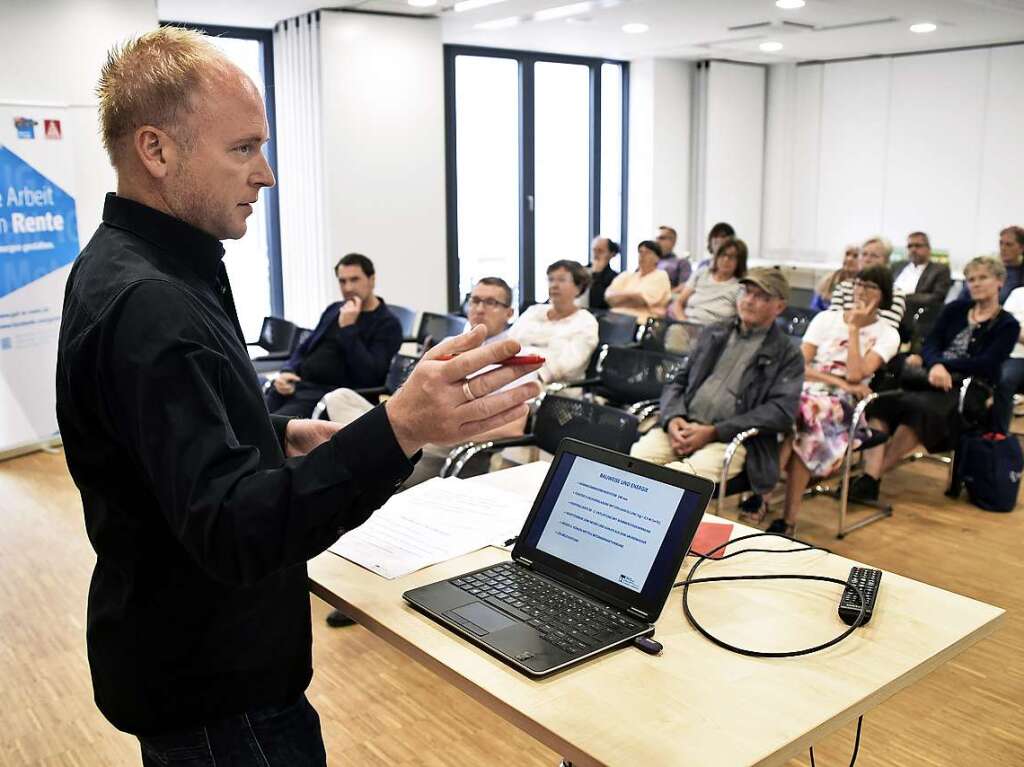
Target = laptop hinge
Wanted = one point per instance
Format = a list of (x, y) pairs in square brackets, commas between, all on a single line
[(640, 613), (525, 561)]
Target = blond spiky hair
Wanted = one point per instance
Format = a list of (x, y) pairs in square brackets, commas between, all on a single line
[(149, 81)]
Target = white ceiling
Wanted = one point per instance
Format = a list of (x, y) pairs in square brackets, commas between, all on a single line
[(823, 29)]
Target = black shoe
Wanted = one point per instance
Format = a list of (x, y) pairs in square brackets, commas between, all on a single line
[(865, 488), (337, 619), (779, 526)]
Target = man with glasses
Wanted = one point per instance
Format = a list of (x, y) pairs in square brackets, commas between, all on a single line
[(678, 269), (925, 282), (745, 373), (490, 304), (351, 347)]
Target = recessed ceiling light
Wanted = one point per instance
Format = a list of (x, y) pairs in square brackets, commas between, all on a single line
[(509, 21), (561, 11), (789, 5), (469, 5), (634, 28), (422, 3), (923, 28), (770, 46)]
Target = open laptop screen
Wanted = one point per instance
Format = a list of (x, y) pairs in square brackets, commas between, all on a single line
[(615, 528)]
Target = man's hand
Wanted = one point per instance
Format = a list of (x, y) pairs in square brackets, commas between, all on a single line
[(350, 312), (303, 434), (696, 436), (432, 405), (284, 384), (940, 378), (913, 360), (675, 433), (600, 263)]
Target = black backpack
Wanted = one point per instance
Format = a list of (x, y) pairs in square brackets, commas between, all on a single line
[(990, 466)]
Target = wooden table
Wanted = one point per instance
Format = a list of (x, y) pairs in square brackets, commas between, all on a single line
[(696, 704)]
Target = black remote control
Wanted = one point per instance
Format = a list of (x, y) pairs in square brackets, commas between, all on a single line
[(867, 581)]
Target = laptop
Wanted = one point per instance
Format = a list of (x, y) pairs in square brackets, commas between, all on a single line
[(591, 569)]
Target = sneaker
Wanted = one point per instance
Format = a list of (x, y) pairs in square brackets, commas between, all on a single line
[(865, 488), (337, 619)]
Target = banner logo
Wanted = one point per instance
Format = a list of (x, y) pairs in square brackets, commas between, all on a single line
[(25, 126), (51, 129)]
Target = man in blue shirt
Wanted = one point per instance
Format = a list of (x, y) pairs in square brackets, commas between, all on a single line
[(351, 347), (1011, 251)]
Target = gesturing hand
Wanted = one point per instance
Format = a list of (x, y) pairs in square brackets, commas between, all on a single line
[(350, 312), (434, 405), (284, 384), (862, 314)]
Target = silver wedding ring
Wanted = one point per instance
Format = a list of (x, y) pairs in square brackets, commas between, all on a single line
[(468, 392)]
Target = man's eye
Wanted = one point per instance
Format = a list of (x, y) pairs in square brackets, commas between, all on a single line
[(244, 149)]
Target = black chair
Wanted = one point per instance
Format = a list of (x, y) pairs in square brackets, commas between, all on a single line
[(434, 328), (399, 371), (664, 335), (954, 291), (279, 338), (632, 379), (407, 318), (801, 297), (557, 418), (794, 320), (615, 329)]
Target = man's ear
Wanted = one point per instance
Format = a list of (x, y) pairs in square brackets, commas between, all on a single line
[(155, 149)]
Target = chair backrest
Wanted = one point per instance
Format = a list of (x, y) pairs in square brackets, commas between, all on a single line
[(795, 319), (301, 335), (560, 417), (954, 291), (672, 336), (800, 297), (436, 327), (277, 335), (616, 329), (406, 318), (635, 375), (401, 368)]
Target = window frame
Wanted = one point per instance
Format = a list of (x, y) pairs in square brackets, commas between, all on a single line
[(527, 188), (266, 37)]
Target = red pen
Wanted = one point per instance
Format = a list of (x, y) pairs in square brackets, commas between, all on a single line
[(519, 359)]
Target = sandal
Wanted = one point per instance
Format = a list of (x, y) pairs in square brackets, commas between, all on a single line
[(753, 511)]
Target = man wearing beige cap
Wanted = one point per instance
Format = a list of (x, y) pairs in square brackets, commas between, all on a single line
[(745, 373)]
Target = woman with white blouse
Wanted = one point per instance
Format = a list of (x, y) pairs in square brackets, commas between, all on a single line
[(559, 330)]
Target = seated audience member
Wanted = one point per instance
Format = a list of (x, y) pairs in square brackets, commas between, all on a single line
[(560, 331), (603, 250), (678, 269), (643, 293), (842, 350), (1011, 253), (969, 339), (744, 373), (1012, 373), (822, 298), (352, 345), (716, 235), (923, 281), (710, 295), (874, 252)]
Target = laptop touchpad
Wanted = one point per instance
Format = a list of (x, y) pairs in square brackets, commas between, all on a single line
[(485, 617)]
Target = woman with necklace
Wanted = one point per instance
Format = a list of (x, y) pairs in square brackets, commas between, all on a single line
[(970, 339)]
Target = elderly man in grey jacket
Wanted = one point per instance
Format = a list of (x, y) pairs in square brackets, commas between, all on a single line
[(744, 374)]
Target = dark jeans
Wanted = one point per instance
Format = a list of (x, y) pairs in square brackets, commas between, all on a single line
[(276, 736), (1009, 384), (300, 404)]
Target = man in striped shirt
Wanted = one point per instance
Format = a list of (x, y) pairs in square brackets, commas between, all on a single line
[(874, 252)]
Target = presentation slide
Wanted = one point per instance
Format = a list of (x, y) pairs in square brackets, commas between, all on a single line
[(610, 522)]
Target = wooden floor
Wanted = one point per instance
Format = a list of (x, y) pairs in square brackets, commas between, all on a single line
[(379, 708)]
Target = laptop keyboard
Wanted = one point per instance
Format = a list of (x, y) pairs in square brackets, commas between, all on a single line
[(568, 622)]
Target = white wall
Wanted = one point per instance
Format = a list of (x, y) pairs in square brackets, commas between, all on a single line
[(383, 128), (52, 52), (893, 145), (659, 148)]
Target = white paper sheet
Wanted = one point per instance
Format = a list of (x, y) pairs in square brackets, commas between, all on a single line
[(433, 522)]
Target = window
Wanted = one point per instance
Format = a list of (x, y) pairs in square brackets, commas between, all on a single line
[(535, 164), (253, 262)]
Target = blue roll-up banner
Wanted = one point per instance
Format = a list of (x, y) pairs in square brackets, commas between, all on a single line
[(38, 242)]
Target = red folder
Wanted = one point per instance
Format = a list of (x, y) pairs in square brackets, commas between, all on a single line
[(709, 535)]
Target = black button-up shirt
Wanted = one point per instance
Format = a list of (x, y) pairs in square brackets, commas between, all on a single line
[(198, 607)]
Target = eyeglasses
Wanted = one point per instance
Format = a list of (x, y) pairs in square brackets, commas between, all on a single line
[(866, 285), (490, 303)]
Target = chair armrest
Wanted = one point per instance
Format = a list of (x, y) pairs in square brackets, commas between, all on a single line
[(637, 407), (371, 391), (491, 446), (559, 386), (730, 452)]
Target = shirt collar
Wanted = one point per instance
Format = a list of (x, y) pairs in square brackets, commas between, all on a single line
[(188, 245), (737, 328)]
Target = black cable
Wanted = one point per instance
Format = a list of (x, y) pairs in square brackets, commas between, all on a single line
[(701, 558), (856, 744)]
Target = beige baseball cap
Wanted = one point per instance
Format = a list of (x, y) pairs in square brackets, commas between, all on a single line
[(771, 280)]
